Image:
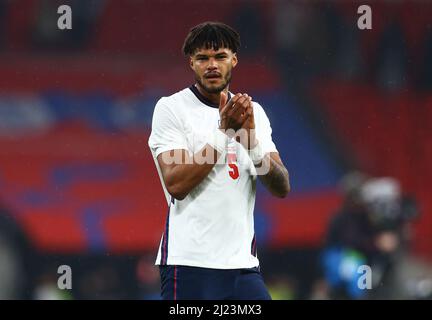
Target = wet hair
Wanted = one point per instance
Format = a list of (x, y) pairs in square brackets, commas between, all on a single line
[(211, 35)]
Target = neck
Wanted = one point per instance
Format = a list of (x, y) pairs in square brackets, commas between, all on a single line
[(213, 97)]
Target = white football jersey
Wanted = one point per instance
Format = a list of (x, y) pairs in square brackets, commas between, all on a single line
[(213, 226)]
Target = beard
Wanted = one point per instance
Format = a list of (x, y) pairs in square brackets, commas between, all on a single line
[(212, 90)]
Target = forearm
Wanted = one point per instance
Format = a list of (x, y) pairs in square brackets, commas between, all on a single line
[(182, 177), (275, 176)]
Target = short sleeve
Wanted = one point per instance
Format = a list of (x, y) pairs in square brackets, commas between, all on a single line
[(167, 133), (264, 130)]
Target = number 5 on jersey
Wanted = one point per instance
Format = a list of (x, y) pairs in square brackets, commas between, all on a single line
[(233, 172)]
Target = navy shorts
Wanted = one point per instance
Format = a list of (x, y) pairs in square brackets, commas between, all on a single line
[(193, 283)]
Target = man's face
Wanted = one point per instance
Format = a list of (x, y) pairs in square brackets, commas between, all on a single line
[(213, 68)]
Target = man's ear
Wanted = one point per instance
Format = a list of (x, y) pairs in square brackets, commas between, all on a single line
[(234, 60), (191, 62)]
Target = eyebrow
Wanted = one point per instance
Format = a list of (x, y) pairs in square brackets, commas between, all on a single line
[(202, 55)]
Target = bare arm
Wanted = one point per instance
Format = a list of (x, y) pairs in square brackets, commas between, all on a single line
[(271, 170), (276, 180), (181, 178)]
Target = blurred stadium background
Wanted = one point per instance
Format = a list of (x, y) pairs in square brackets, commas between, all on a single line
[(78, 185)]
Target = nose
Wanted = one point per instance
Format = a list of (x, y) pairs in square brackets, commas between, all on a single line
[(212, 65)]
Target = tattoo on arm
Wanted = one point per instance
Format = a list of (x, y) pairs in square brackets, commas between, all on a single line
[(277, 178)]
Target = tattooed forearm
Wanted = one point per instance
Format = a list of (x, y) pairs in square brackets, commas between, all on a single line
[(277, 178)]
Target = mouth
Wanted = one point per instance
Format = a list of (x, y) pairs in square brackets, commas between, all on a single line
[(213, 76)]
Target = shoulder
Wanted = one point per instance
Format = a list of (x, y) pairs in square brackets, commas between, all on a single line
[(175, 98), (259, 112), (257, 107), (173, 109)]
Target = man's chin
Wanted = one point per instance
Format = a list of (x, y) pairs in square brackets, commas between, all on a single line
[(214, 89)]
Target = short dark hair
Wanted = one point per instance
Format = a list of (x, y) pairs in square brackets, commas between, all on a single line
[(211, 35)]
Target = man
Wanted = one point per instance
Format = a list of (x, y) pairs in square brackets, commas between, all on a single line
[(209, 146), (367, 230)]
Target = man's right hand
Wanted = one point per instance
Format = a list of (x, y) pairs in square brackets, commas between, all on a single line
[(233, 114)]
